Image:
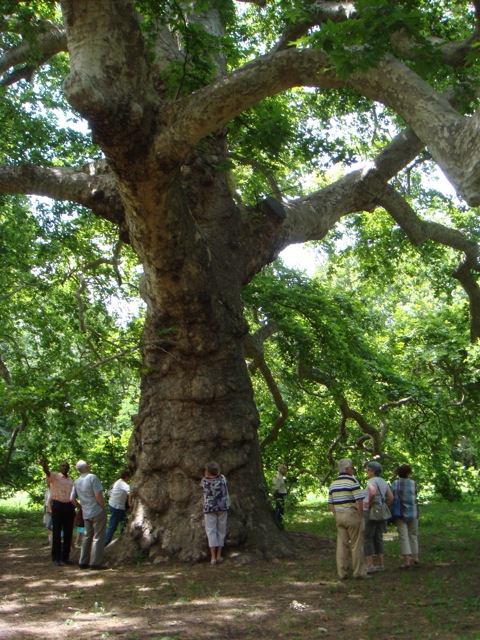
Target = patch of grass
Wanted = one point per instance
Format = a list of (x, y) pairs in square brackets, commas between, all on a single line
[(312, 518), (20, 520), (448, 539)]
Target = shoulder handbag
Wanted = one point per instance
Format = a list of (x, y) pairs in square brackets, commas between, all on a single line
[(379, 512)]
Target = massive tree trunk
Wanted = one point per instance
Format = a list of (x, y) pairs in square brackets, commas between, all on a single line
[(196, 402)]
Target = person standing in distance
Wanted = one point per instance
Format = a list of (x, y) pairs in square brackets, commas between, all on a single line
[(280, 491), (89, 491), (63, 513), (345, 499)]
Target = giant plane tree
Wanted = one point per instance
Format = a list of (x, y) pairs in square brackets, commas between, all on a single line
[(205, 120)]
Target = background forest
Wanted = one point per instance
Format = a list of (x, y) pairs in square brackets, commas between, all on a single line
[(379, 319)]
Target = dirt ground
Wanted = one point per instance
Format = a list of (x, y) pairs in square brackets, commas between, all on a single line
[(300, 598)]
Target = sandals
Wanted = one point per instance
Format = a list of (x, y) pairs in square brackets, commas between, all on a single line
[(416, 563), (404, 566)]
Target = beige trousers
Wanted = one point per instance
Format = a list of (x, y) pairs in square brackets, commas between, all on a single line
[(350, 528), (408, 536)]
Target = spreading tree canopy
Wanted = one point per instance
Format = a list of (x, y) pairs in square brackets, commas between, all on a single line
[(219, 132)]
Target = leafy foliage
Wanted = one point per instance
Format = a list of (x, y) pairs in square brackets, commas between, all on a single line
[(384, 326), (69, 366)]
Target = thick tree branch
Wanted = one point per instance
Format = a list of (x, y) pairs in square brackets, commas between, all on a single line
[(96, 192), (446, 132), (325, 379), (210, 108), (321, 12), (463, 273), (21, 426), (253, 345), (313, 216), (47, 41), (109, 81), (4, 372), (281, 405), (453, 54)]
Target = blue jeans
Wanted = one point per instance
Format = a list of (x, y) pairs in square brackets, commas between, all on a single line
[(117, 516)]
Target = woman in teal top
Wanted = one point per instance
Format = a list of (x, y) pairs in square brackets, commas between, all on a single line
[(406, 490)]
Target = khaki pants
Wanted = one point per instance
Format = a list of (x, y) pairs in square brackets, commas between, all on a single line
[(408, 536), (94, 540), (350, 528)]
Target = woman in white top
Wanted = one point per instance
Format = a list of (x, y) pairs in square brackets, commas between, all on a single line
[(118, 503)]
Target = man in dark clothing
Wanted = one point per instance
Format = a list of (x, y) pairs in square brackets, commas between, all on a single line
[(63, 512)]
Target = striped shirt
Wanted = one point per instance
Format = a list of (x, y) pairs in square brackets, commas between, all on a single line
[(344, 492), (60, 487), (407, 490)]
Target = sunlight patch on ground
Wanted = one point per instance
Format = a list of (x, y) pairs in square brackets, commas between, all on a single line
[(11, 606), (17, 554)]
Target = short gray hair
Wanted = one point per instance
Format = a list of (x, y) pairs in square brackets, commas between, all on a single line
[(344, 464), (81, 466)]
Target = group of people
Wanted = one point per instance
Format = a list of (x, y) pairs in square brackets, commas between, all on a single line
[(359, 535), (86, 495)]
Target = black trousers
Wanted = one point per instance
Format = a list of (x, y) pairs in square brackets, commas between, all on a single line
[(63, 514)]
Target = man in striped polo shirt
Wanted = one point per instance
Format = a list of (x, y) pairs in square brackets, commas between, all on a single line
[(345, 499)]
